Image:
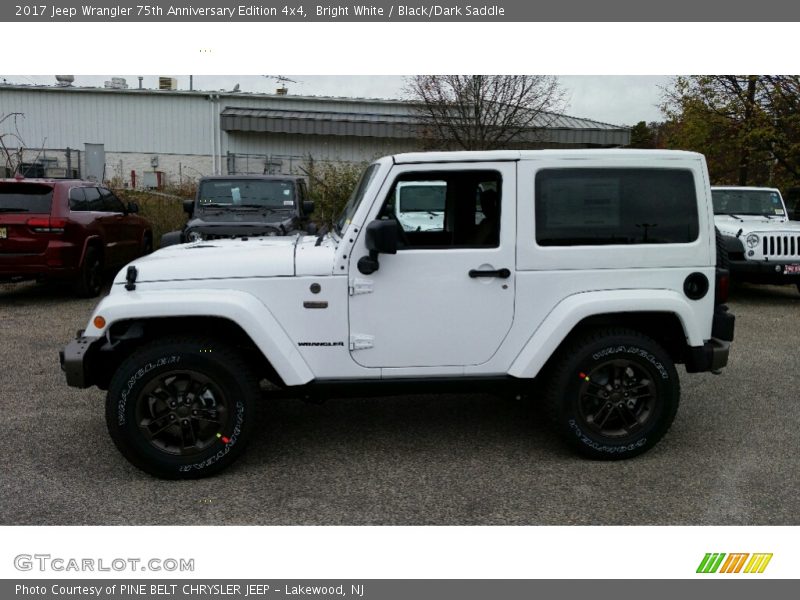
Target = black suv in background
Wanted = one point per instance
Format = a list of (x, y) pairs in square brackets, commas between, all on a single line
[(242, 206)]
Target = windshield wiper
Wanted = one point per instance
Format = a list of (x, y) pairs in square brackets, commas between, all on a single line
[(14, 210), (261, 207)]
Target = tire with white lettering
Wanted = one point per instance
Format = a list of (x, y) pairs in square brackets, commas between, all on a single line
[(180, 408), (613, 393)]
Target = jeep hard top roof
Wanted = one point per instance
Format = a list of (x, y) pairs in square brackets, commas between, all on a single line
[(745, 188), (514, 155)]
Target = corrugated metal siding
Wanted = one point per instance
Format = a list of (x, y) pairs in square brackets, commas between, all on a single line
[(181, 123), (320, 147), (123, 122)]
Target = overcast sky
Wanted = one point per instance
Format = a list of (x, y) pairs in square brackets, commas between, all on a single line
[(621, 100)]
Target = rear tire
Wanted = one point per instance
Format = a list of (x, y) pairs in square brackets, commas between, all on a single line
[(613, 393), (147, 245), (723, 261), (90, 279), (180, 408)]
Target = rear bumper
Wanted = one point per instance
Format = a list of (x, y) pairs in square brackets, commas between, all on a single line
[(713, 354), (768, 272), (59, 261), (77, 359)]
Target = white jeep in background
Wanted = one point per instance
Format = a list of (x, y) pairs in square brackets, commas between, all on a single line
[(762, 244), (419, 206), (591, 271)]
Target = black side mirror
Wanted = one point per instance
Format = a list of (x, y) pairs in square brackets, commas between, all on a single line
[(308, 207), (381, 238), (133, 208), (188, 207)]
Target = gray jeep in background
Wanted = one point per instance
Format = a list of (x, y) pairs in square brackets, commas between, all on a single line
[(236, 206)]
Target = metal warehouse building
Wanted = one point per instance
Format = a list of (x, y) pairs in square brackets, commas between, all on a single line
[(147, 137)]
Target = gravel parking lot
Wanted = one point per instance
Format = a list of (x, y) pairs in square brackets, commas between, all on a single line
[(731, 458)]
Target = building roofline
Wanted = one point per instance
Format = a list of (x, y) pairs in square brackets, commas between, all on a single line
[(599, 125), (221, 93)]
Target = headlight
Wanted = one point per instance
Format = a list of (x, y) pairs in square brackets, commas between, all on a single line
[(752, 240), (194, 236)]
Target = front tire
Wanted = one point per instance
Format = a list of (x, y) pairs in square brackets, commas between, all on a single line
[(613, 393), (181, 408)]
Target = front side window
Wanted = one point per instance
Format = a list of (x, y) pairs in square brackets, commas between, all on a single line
[(446, 209), (110, 202), (594, 207)]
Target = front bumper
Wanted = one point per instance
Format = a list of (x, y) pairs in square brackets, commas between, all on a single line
[(77, 359), (767, 272)]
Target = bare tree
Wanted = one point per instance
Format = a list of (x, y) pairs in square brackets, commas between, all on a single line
[(484, 112), (11, 143), (12, 146)]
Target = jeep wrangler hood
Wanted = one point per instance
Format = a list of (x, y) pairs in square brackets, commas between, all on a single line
[(235, 259), (242, 223), (729, 225)]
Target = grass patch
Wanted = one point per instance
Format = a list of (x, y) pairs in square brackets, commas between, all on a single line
[(164, 211)]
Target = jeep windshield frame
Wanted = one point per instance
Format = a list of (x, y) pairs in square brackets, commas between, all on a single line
[(355, 199), (739, 202), (232, 194)]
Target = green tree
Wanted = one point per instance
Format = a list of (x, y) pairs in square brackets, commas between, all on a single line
[(330, 184), (748, 126), (643, 135)]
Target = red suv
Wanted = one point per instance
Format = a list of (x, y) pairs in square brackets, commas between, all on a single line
[(67, 230)]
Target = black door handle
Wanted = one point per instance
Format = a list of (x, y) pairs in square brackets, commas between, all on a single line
[(501, 273)]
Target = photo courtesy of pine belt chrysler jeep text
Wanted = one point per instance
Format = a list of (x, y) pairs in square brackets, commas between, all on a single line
[(591, 272)]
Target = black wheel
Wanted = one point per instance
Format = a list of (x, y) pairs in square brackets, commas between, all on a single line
[(90, 279), (181, 408), (613, 393)]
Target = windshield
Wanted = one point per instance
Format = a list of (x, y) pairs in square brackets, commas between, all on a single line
[(247, 192), (355, 199), (747, 202), (25, 197), (422, 198)]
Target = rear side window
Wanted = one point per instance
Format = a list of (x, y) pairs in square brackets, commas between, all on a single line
[(594, 207), (25, 197), (77, 200), (93, 201)]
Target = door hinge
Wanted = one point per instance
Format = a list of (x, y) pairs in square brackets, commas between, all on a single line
[(360, 341), (360, 286)]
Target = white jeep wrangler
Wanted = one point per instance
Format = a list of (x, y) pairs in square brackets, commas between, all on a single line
[(592, 271), (762, 244)]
